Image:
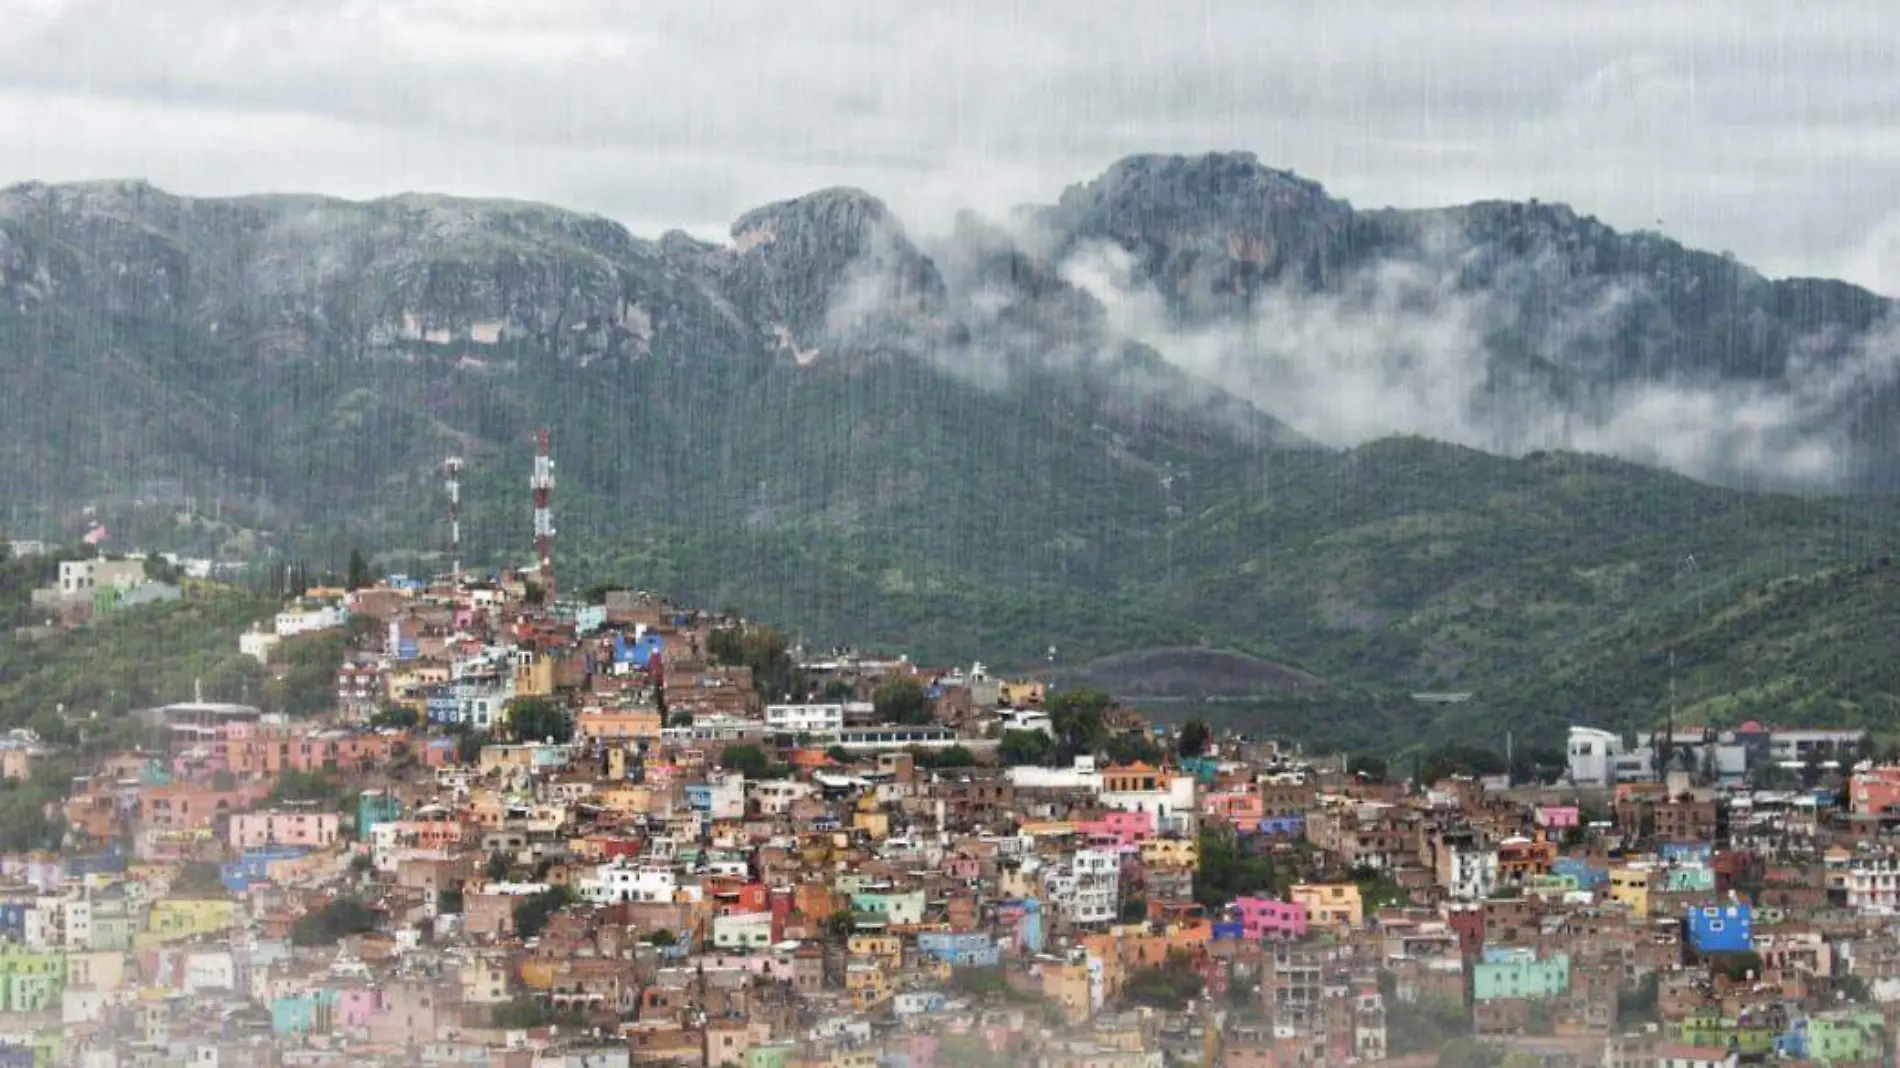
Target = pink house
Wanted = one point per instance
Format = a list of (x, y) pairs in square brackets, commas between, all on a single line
[(1242, 806), (1557, 817), (1264, 917), (1117, 829), (355, 1007), (255, 830)]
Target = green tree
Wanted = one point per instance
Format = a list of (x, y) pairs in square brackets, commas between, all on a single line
[(766, 650), (496, 867), (358, 575), (902, 700), (1132, 747), (840, 924), (337, 919), (748, 760), (1080, 719), (1470, 1053), (1172, 986), (838, 754), (532, 913), (534, 719), (1373, 768), (395, 717), (1025, 747), (1194, 738), (297, 785), (1223, 872)]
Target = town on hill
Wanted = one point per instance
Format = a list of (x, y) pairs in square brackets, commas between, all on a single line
[(498, 824)]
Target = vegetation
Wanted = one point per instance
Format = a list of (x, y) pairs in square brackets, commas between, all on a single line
[(1194, 738), (1225, 872), (767, 651), (336, 920), (1172, 986), (902, 700), (524, 1014), (531, 915), (1025, 747), (1423, 1026), (533, 719), (308, 786)]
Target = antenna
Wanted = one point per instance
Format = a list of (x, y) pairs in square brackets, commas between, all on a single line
[(542, 485), (452, 485)]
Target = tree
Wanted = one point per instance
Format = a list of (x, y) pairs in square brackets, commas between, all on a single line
[(1372, 768), (1194, 738), (748, 760), (1172, 986), (1132, 747), (1024, 747), (532, 719), (296, 785), (1080, 719), (838, 754), (497, 867), (531, 915), (395, 717), (1223, 872), (358, 576), (449, 902), (337, 919), (660, 936), (766, 650), (902, 700), (840, 924)]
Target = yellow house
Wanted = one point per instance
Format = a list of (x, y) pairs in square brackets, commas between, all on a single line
[(868, 986), (1334, 905), (1024, 694), (886, 950), (534, 675), (1629, 886), (1169, 852), (1067, 985), (871, 819), (176, 919)]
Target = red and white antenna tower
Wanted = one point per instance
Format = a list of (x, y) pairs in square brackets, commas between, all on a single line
[(543, 486), (452, 485)]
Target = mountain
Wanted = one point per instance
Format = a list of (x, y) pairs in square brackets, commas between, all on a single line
[(1152, 416)]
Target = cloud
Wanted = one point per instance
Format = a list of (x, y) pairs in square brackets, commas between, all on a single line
[(1748, 125), (1401, 347)]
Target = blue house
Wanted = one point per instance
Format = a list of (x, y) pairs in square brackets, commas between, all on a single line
[(1588, 876), (975, 950), (1721, 928)]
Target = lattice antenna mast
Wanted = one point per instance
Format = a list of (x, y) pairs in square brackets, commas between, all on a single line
[(452, 487), (542, 483)]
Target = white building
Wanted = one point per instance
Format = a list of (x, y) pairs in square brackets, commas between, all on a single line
[(294, 621), (1474, 873), (257, 644), (1172, 804), (805, 719), (1087, 889), (1599, 759), (1871, 884), (619, 881)]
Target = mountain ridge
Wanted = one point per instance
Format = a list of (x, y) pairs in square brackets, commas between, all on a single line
[(1185, 404)]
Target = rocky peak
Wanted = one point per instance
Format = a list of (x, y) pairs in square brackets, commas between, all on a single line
[(1210, 229), (833, 267)]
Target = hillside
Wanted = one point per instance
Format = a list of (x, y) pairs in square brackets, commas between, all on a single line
[(1155, 414)]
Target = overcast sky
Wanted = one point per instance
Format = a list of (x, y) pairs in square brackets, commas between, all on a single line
[(1765, 128)]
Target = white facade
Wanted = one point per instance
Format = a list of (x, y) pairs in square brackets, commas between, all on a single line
[(295, 621), (617, 882), (1173, 807), (74, 923), (775, 797), (1474, 874), (257, 644), (745, 930), (1593, 757), (1873, 885), (1084, 775), (1087, 890), (210, 971), (805, 719)]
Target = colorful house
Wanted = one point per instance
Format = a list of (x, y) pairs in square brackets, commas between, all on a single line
[(1720, 928), (1264, 917), (1515, 972)]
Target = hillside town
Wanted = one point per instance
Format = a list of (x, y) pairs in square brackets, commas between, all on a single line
[(610, 831)]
